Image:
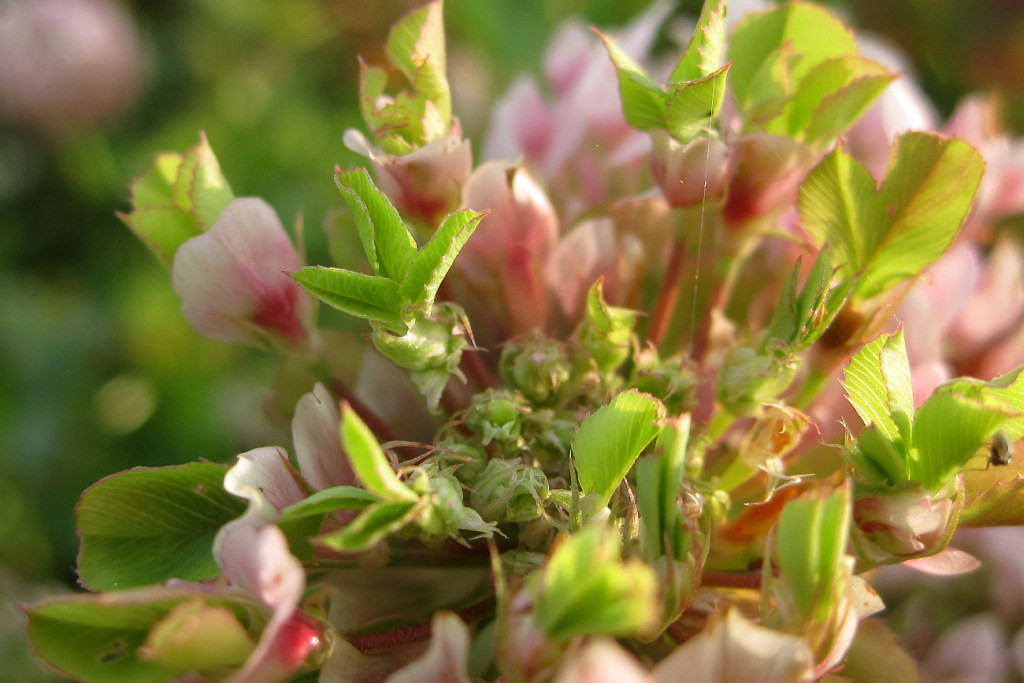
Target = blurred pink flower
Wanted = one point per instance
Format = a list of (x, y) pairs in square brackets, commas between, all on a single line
[(578, 142), (964, 316), (734, 649), (603, 661), (233, 284), (67, 64), (445, 660), (973, 649)]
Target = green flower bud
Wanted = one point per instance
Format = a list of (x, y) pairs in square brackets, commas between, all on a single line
[(497, 416), (538, 367), (606, 331), (673, 380), (510, 492), (748, 378), (431, 349), (447, 514)]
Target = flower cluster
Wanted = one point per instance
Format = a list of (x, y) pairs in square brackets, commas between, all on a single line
[(593, 430)]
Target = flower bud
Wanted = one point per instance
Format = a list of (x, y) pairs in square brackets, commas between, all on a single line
[(535, 365), (894, 525), (431, 349), (673, 381), (749, 378), (688, 174), (520, 215), (509, 492), (497, 416), (765, 172), (232, 281)]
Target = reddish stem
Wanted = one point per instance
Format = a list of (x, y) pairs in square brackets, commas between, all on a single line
[(382, 640), (476, 370), (729, 580), (667, 295)]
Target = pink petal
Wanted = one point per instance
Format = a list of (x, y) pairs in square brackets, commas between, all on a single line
[(315, 430), (232, 281), (948, 562), (264, 477)]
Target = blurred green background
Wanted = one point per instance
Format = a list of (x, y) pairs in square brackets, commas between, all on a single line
[(98, 372)]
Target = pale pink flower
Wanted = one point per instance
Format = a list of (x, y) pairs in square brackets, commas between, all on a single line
[(507, 253), (254, 556), (900, 525), (733, 649), (67, 64), (590, 252), (233, 281), (688, 174), (317, 437), (602, 661)]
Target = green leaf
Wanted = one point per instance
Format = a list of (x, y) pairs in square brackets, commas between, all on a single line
[(586, 589), (606, 332), (364, 296), (416, 47), (808, 30), (644, 102), (148, 525), (830, 98), (201, 187), (811, 538), (694, 105), (330, 500), (890, 236), (95, 637), (431, 264), (372, 526), (706, 50), (611, 439), (951, 425), (877, 382), (841, 108), (368, 460), (838, 204), (389, 246), (659, 479), (925, 198)]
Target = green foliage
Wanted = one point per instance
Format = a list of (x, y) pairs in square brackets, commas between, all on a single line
[(611, 438), (586, 588), (148, 525), (803, 317), (178, 198), (410, 119), (811, 542), (696, 88), (404, 278), (933, 444), (884, 237), (96, 637)]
